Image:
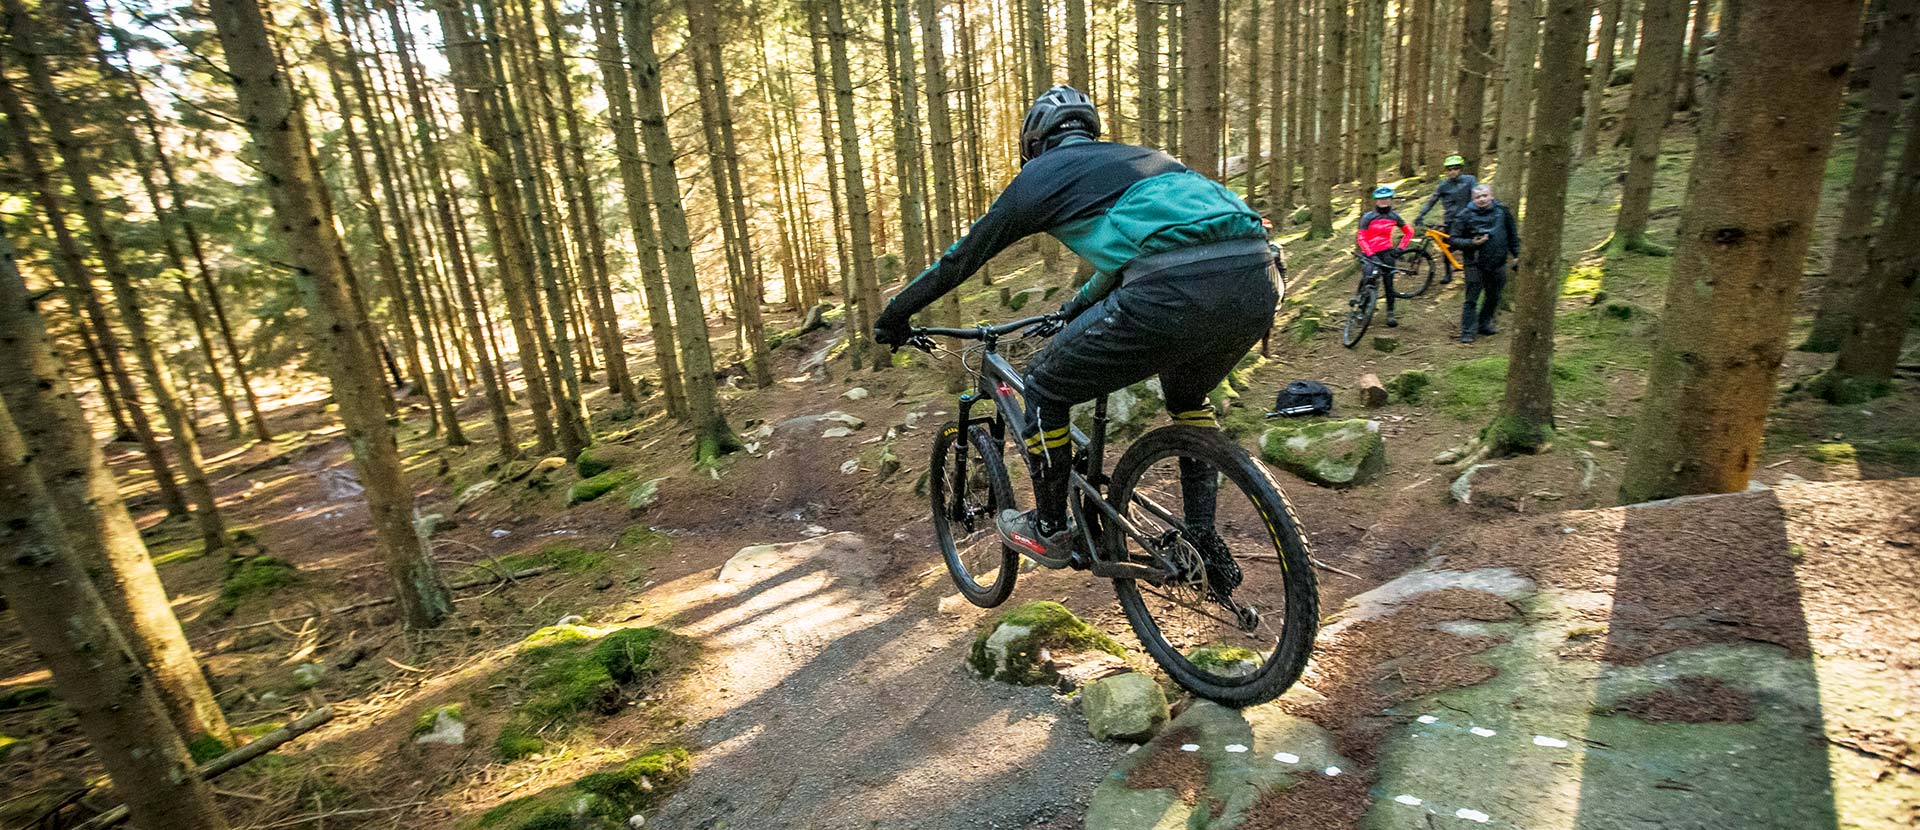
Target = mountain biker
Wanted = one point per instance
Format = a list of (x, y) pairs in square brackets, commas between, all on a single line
[(1485, 231), (1375, 237), (1181, 290), (1453, 192)]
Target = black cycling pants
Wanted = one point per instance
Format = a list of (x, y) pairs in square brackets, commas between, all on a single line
[(1483, 289), (1386, 258), (1190, 328)]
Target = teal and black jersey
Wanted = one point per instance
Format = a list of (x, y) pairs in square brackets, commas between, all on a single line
[(1110, 203)]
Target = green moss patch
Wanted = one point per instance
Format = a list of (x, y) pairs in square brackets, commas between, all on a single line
[(1009, 650), (561, 557), (566, 672), (431, 718), (204, 748), (251, 577), (645, 539), (603, 800), (592, 461), (597, 486), (1834, 453), (1329, 453), (1410, 386)]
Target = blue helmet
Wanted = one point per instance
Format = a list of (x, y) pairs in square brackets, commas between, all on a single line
[(1384, 191)]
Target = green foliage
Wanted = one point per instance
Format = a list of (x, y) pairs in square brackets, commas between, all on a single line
[(1901, 451), (1833, 453), (204, 748), (1304, 328), (1583, 281), (431, 718), (645, 539), (601, 800), (1214, 657), (250, 577), (597, 486), (1409, 386), (562, 557), (569, 671)]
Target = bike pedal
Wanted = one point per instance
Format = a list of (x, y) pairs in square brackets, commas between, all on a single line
[(1079, 560)]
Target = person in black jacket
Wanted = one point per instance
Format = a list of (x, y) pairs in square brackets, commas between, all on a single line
[(1488, 240)]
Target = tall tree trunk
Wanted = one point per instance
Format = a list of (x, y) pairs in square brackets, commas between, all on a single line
[(1200, 87), (1375, 15), (1516, 102), (1857, 234), (1079, 68), (704, 41), (1333, 58), (1476, 66), (1629, 29), (1525, 422), (492, 375), (1442, 96), (1146, 44), (1696, 43), (635, 191), (1884, 304), (1418, 58), (72, 267), (1280, 131), (1647, 113), (866, 281), (1039, 63), (823, 102), (106, 247), (1306, 94), (305, 229), (712, 436), (1600, 76), (84, 497), (1254, 102), (1750, 207), (98, 677), (110, 398), (908, 167)]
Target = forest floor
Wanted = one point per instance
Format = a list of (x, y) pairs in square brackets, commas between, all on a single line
[(1742, 661)]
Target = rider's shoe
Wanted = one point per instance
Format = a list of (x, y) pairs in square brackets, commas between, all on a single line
[(1466, 337), (1392, 321), (1023, 532), (1223, 574), (1488, 328), (1446, 278)]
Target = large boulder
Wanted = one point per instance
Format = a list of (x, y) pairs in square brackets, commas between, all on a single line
[(1125, 707), (1028, 645), (1329, 453), (1129, 410)]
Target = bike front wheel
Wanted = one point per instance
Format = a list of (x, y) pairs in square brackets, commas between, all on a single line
[(968, 486), (1359, 316), (1416, 274), (1235, 618)]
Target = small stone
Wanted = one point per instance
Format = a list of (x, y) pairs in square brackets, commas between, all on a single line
[(855, 394), (644, 496), (445, 728), (1383, 343), (837, 432), (499, 533), (1126, 707), (473, 492), (1447, 456), (1600, 445), (308, 675), (955, 605), (850, 467), (1328, 453), (548, 465), (603, 583), (432, 524), (1373, 393)]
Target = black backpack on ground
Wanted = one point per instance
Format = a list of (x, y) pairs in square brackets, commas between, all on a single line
[(1302, 397)]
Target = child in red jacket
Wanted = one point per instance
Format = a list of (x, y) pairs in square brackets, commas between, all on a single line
[(1376, 240)]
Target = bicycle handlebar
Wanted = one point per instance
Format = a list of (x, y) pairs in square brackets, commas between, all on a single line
[(980, 332)]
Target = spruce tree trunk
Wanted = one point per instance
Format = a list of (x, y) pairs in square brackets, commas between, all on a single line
[(1306, 93), (1414, 130), (1254, 102), (74, 271), (1279, 132), (754, 282), (1039, 64), (99, 679), (83, 495), (1598, 79), (1333, 59), (1884, 304), (106, 248), (1856, 234), (122, 431), (1516, 100), (1525, 422), (306, 230), (866, 281), (635, 191), (1476, 66), (1200, 87), (704, 48), (492, 375), (712, 436), (1665, 28), (1146, 44), (909, 168), (1374, 12), (1750, 208), (1689, 87), (1079, 67), (823, 102)]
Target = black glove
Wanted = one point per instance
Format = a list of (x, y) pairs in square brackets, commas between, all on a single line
[(1059, 319), (891, 329)]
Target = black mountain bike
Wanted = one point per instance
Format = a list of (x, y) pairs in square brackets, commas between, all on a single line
[(1237, 631), (1360, 305)]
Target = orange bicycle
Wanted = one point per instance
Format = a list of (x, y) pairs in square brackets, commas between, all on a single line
[(1420, 260)]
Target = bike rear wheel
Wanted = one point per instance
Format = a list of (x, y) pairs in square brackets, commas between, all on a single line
[(1415, 272), (972, 468), (1359, 316), (1236, 622)]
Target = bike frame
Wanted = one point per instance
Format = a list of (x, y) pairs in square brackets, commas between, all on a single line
[(999, 382), (1432, 236)]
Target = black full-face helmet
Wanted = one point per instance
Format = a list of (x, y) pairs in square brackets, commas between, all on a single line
[(1060, 109)]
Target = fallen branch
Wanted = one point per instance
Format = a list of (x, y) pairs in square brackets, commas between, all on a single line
[(232, 760), (462, 585), (1326, 567)]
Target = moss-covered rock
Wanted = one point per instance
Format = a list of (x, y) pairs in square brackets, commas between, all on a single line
[(444, 724), (1019, 647), (250, 577), (644, 496), (592, 461), (604, 800), (1409, 386), (597, 486), (1329, 453), (569, 671), (1124, 707), (1129, 410), (1225, 660)]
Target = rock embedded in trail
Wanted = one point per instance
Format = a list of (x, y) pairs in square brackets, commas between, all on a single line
[(441, 725), (1027, 645), (473, 492), (845, 557), (855, 394), (1329, 453), (644, 496), (1125, 707)]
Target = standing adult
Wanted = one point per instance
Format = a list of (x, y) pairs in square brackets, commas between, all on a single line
[(1488, 239)]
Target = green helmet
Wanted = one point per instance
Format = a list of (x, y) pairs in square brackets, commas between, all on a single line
[(1454, 161)]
